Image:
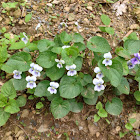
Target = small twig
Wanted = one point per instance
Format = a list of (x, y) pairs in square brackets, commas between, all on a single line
[(128, 33), (21, 128)]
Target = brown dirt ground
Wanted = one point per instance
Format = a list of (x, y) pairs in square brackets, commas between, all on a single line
[(40, 125)]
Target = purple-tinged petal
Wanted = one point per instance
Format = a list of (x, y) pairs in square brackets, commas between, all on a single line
[(59, 65), (36, 73), (52, 90), (134, 61), (17, 76), (31, 70), (137, 55), (24, 39), (31, 85), (107, 62), (99, 88), (99, 75), (101, 81), (130, 65), (98, 81), (71, 72)]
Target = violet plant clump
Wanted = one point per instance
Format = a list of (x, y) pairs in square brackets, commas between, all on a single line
[(72, 79)]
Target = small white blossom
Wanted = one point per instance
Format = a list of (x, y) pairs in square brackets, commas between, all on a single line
[(64, 47), (107, 61), (99, 73), (71, 70), (25, 38), (17, 74), (31, 82), (35, 69), (60, 63), (98, 84), (53, 87), (32, 68)]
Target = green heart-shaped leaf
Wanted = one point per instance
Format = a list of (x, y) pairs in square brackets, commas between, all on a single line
[(46, 59), (137, 95), (8, 90), (4, 116), (88, 91), (75, 107), (19, 61), (69, 87), (12, 107), (59, 107), (114, 107), (124, 86), (98, 44), (55, 73)]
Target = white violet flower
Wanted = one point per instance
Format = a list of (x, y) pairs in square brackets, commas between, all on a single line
[(17, 74), (25, 38), (53, 87), (71, 70), (107, 61), (35, 69), (31, 82), (99, 73), (98, 84), (60, 63)]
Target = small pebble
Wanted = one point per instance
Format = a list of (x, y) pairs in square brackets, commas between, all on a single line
[(118, 128), (97, 134)]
